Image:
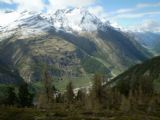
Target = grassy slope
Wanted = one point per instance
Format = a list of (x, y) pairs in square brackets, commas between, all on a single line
[(61, 84), (149, 68)]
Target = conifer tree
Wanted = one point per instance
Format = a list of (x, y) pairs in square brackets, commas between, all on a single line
[(11, 98), (48, 87), (24, 96), (69, 93), (97, 92)]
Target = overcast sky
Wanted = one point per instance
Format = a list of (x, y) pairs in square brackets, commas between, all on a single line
[(124, 13)]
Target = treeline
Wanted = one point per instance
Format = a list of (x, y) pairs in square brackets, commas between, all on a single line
[(19, 96), (124, 96)]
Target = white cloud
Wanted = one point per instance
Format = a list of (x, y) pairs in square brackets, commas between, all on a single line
[(99, 12), (126, 10), (137, 7), (134, 12), (146, 25), (137, 15), (143, 5), (61, 4), (34, 5), (96, 10), (150, 25)]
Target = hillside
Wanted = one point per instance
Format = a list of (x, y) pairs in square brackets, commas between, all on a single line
[(8, 76), (148, 71)]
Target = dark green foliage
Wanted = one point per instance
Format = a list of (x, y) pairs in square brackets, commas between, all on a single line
[(146, 85), (106, 103), (91, 65), (142, 76), (48, 86), (80, 95), (8, 95), (97, 88), (8, 76), (124, 87), (24, 96), (98, 93), (11, 98), (3, 93), (69, 93)]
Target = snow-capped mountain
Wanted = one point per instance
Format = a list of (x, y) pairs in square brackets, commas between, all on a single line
[(69, 20), (71, 42), (75, 20), (26, 24)]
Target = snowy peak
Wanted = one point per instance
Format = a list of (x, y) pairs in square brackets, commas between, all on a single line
[(25, 24), (75, 20), (68, 20), (28, 20)]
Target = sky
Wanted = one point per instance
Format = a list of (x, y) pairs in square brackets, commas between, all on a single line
[(131, 14)]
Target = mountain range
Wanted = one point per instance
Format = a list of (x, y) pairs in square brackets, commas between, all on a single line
[(149, 40), (70, 43)]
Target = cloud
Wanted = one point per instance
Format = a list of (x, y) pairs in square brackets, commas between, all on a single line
[(134, 12), (147, 25), (96, 10), (61, 4), (137, 15), (126, 10), (130, 11), (34, 5), (99, 12), (143, 5), (137, 7), (37, 5)]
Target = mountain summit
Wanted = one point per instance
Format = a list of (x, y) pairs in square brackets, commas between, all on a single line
[(68, 20)]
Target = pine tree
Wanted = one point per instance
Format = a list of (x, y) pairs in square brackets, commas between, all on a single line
[(48, 87), (80, 95), (69, 93), (24, 96), (125, 104), (11, 98), (80, 98), (97, 92)]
